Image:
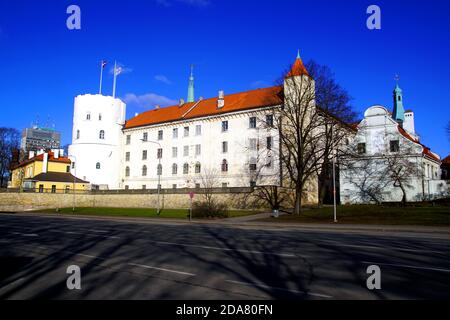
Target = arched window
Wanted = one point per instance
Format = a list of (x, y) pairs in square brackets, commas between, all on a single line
[(127, 171), (78, 134), (159, 170), (174, 168), (198, 167), (144, 170), (186, 168), (252, 165), (102, 134), (88, 116), (224, 165), (100, 117), (97, 165)]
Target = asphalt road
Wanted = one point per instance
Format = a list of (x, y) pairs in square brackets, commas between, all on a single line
[(133, 260)]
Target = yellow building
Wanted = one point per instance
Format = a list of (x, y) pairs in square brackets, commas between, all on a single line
[(47, 172)]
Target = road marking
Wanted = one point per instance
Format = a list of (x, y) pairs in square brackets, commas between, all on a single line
[(84, 233), (406, 266), (393, 248), (250, 284), (228, 249), (161, 269), (98, 231), (26, 234)]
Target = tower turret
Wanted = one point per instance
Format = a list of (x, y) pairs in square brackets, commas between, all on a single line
[(398, 114)]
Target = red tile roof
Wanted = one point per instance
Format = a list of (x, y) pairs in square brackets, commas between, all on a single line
[(426, 151), (51, 158), (247, 100), (446, 160), (297, 69)]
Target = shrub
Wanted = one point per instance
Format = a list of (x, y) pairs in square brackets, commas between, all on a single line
[(203, 209)]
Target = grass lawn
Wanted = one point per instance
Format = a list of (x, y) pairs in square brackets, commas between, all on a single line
[(372, 214), (138, 212)]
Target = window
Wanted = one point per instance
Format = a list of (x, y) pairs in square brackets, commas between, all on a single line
[(253, 144), (252, 123), (361, 148), (198, 130), (198, 167), (159, 170), (252, 183), (174, 152), (102, 134), (186, 151), (88, 116), (159, 153), (224, 185), (269, 162), (174, 168), (224, 126), (175, 133), (99, 117), (160, 134), (53, 189), (67, 189), (68, 169), (174, 186), (144, 187), (158, 187), (224, 147), (186, 132), (394, 145), (97, 165), (78, 134), (269, 120), (127, 171), (252, 165), (185, 168), (73, 165), (127, 156), (127, 187), (197, 186), (144, 170), (128, 139), (269, 143), (198, 149), (41, 188), (144, 154), (145, 136), (224, 165)]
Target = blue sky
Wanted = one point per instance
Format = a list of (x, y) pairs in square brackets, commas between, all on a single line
[(235, 46)]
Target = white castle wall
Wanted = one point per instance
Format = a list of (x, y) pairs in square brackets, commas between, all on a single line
[(88, 148)]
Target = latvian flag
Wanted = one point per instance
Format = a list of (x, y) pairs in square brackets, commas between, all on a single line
[(104, 62)]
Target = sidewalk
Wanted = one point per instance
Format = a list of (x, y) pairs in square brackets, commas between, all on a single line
[(249, 222)]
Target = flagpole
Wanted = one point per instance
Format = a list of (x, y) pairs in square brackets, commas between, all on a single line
[(101, 77), (114, 82)]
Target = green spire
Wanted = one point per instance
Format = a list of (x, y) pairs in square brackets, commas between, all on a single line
[(399, 112), (191, 97), (298, 54)]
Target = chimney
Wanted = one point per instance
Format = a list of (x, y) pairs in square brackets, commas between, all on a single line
[(136, 114), (221, 100), (41, 151), (157, 107), (45, 163), (31, 155), (181, 102), (56, 153), (61, 152)]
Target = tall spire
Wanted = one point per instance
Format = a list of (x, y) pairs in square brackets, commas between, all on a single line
[(298, 68), (191, 96), (399, 112)]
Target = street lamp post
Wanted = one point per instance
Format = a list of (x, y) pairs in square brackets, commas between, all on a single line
[(158, 210), (334, 186)]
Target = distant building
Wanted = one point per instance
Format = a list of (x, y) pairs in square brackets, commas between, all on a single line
[(445, 168), (46, 172), (35, 139)]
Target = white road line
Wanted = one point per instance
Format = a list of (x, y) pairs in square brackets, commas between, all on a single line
[(161, 269), (406, 266), (387, 248), (26, 234), (250, 284), (98, 231), (84, 233), (228, 249)]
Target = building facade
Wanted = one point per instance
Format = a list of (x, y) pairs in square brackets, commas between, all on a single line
[(386, 155), (35, 139)]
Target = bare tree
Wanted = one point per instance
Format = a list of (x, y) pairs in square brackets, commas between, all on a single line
[(333, 103), (9, 141), (209, 179)]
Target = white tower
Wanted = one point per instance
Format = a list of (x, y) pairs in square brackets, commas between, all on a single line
[(96, 139)]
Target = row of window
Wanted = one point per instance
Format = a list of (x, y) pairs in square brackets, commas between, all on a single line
[(101, 134), (198, 149), (198, 129), (394, 146), (174, 186), (88, 116)]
